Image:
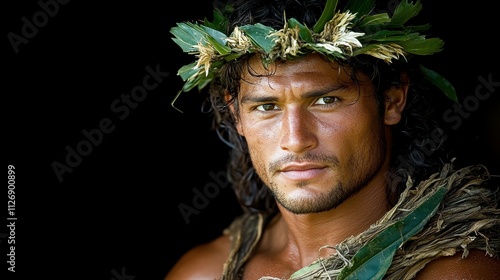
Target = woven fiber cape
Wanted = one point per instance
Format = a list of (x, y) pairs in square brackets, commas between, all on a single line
[(454, 211)]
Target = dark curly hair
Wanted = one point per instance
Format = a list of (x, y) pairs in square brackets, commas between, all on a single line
[(415, 130)]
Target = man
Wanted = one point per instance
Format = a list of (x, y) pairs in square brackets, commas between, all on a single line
[(322, 104)]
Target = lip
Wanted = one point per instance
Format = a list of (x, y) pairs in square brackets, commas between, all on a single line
[(302, 171)]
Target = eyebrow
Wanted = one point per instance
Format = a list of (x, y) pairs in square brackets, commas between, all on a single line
[(252, 98)]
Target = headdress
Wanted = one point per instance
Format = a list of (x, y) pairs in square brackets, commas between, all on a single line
[(337, 34)]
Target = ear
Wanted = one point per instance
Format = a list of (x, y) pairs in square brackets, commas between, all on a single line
[(395, 101), (234, 115)]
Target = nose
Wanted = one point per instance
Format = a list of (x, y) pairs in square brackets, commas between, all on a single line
[(298, 133)]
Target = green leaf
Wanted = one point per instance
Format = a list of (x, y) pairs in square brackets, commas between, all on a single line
[(422, 46), (204, 81), (187, 48), (259, 34), (360, 7), (405, 11), (188, 33), (215, 34), (388, 36), (375, 20), (219, 23), (184, 38), (327, 15), (304, 32), (198, 80), (375, 257), (187, 71), (440, 82), (418, 28), (220, 48), (232, 56), (365, 49)]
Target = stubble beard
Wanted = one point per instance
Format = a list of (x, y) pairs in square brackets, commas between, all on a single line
[(361, 170)]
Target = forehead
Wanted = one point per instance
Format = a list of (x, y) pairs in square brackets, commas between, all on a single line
[(313, 67)]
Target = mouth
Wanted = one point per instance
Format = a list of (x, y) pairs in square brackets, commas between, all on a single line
[(302, 171)]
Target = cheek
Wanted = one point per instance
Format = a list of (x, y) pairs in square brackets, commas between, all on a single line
[(258, 132), (258, 156), (338, 138), (262, 141), (337, 128), (350, 132)]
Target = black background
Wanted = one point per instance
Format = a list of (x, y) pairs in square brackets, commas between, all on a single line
[(117, 213)]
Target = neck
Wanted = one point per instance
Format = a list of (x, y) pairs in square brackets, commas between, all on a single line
[(303, 235)]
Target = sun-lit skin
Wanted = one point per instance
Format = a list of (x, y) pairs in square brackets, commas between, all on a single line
[(314, 137), (318, 140)]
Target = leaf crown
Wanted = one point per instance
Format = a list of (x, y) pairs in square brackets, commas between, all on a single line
[(381, 36)]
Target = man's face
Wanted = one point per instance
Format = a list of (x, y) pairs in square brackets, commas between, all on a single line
[(314, 136)]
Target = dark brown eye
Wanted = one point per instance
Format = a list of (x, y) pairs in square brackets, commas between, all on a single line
[(327, 100), (266, 107)]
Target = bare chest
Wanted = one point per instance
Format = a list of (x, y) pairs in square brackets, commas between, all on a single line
[(277, 267)]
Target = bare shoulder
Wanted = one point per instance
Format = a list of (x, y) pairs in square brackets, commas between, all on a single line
[(205, 261), (476, 266)]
